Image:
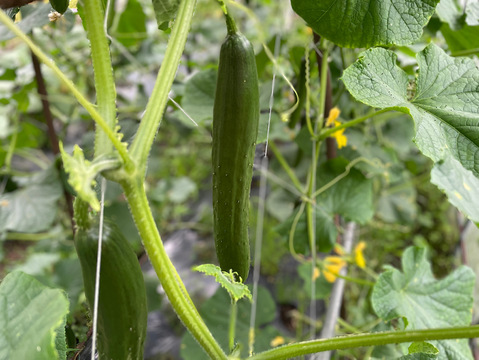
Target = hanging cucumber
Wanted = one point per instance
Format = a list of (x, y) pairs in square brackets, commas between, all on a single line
[(122, 311), (235, 128)]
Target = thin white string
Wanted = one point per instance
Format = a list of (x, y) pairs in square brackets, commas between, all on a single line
[(98, 267), (261, 206)]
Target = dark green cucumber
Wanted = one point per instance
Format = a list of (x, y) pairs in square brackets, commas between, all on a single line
[(122, 310), (235, 128), (60, 5)]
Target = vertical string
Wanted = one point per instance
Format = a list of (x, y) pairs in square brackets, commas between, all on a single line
[(98, 267), (261, 206)]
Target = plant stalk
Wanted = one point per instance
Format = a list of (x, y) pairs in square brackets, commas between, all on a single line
[(166, 272), (104, 83), (371, 339), (156, 105)]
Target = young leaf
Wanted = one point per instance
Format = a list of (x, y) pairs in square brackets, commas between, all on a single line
[(236, 290), (444, 108), (82, 173), (165, 10), (30, 314), (357, 23), (427, 302), (423, 347)]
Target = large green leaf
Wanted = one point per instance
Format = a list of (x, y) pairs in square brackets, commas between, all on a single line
[(30, 313), (34, 207), (359, 23), (426, 302), (445, 107), (460, 186), (215, 313)]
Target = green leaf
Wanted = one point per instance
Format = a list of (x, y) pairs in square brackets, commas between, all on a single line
[(350, 197), (472, 13), (215, 312), (444, 108), (165, 11), (358, 23), (37, 17), (34, 207), (61, 340), (82, 173), (423, 347), (460, 186), (450, 11), (199, 98), (131, 26), (427, 302), (30, 314), (467, 38), (419, 356), (235, 289)]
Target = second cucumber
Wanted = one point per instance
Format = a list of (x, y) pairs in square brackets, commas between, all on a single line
[(235, 128)]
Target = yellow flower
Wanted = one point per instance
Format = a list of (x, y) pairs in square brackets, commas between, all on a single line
[(277, 341), (316, 273), (333, 264), (358, 254), (341, 139), (333, 115)]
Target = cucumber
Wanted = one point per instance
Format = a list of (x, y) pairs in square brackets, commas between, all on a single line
[(235, 128), (122, 309)]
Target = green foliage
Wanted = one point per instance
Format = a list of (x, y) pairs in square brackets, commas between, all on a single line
[(382, 22), (426, 302), (21, 296), (215, 312), (33, 207)]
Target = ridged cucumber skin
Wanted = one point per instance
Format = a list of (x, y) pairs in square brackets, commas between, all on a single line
[(235, 128), (122, 308)]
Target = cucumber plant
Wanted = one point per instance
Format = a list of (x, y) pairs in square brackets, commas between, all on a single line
[(442, 99)]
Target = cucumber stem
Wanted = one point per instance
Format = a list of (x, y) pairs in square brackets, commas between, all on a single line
[(230, 24)]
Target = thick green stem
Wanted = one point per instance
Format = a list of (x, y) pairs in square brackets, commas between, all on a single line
[(169, 278), (374, 339), (93, 18), (156, 105), (329, 132)]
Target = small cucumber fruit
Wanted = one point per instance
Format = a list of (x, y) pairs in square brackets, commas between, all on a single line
[(122, 310)]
